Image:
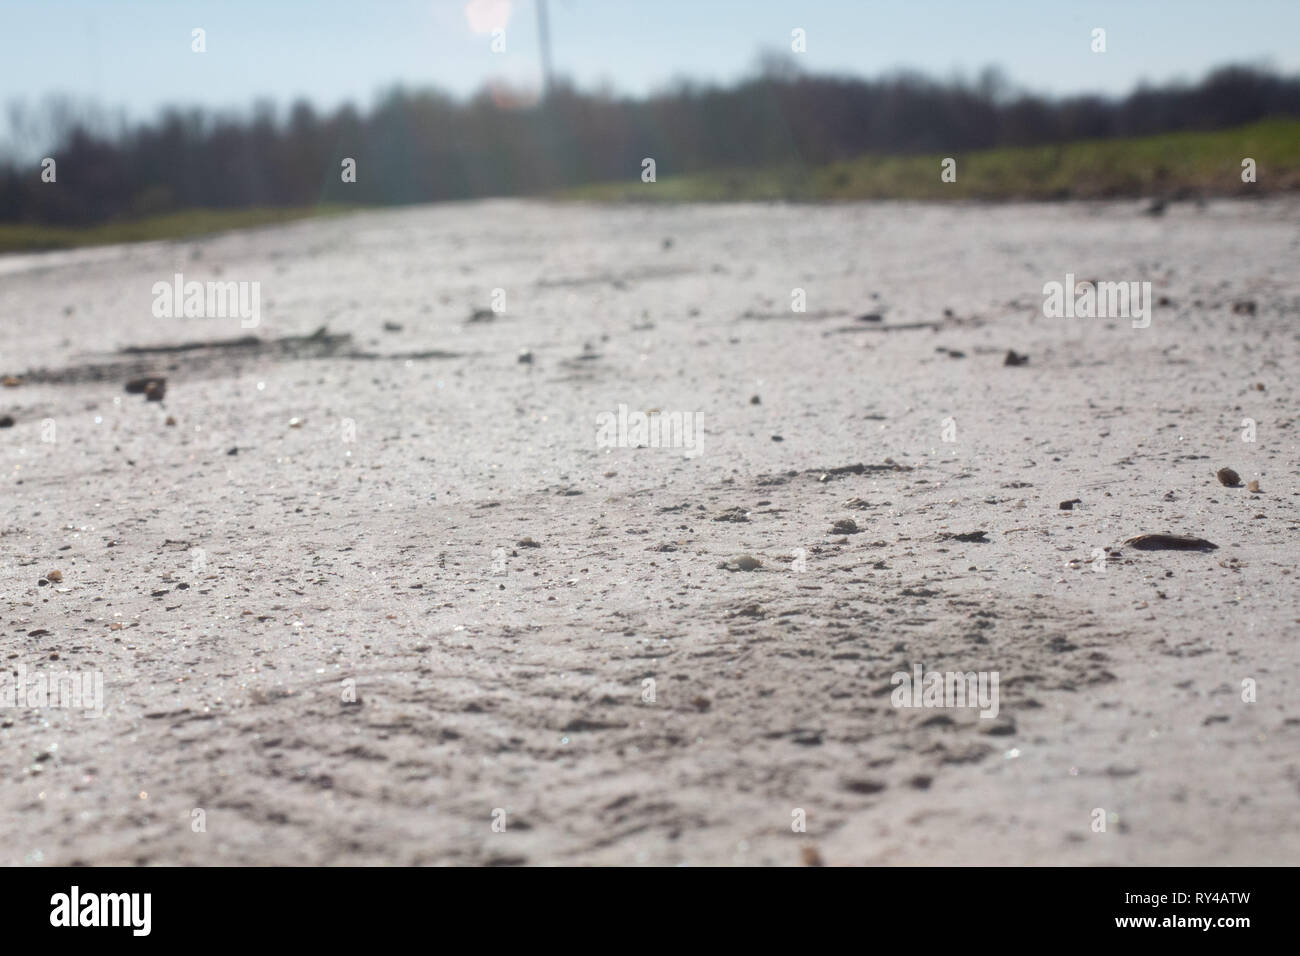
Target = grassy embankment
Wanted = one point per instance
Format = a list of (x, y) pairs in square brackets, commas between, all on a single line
[(31, 237), (1171, 165)]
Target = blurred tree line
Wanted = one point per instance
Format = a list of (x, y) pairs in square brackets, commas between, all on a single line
[(422, 146)]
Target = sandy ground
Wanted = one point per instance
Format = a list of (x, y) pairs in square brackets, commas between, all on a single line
[(226, 597)]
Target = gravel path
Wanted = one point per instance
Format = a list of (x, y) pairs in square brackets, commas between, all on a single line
[(380, 587)]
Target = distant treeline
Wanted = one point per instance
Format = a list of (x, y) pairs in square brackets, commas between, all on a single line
[(422, 146)]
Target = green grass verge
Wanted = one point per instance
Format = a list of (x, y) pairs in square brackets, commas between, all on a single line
[(26, 237), (1173, 164)]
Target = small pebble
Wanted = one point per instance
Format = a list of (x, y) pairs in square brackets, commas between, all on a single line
[(1229, 478), (980, 537), (1170, 542), (55, 576), (138, 386), (745, 562)]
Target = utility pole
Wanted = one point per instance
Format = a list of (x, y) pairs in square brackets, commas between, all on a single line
[(544, 38)]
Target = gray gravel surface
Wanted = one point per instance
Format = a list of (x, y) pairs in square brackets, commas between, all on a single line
[(340, 515)]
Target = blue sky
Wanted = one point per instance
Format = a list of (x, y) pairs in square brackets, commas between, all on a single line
[(135, 54)]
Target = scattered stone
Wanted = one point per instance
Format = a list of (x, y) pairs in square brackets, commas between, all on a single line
[(1069, 505), (1156, 208), (858, 504), (41, 582), (6, 421), (732, 514), (755, 400), (171, 421), (998, 727), (845, 526), (827, 474), (871, 317), (1244, 307), (393, 326), (1253, 487), (980, 537), (777, 438), (11, 381), (56, 576), (1013, 358), (860, 785), (1170, 542), (1229, 478), (525, 357), (527, 543), (295, 423), (745, 562), (701, 704), (481, 315), (232, 451), (811, 857), (155, 391), (138, 386)]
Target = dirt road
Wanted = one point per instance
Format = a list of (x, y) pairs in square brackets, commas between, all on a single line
[(385, 594)]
